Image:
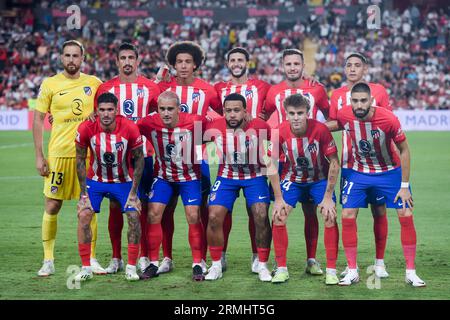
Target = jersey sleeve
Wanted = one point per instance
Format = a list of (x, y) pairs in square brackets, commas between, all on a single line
[(327, 143), (214, 102), (82, 136), (142, 125), (384, 100), (323, 103), (397, 131), (155, 91), (332, 114), (44, 98), (101, 89), (269, 104), (135, 135)]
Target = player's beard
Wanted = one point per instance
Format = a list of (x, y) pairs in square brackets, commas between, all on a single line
[(128, 71), (235, 126), (293, 78), (71, 71), (241, 74), (361, 114)]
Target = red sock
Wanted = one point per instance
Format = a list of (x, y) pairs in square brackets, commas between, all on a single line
[(215, 252), (195, 241), (168, 227), (143, 218), (263, 254), (409, 240), (133, 252), (380, 230), (84, 250), (350, 241), (280, 244), (331, 240), (227, 223), (252, 233), (115, 226), (154, 238), (311, 234), (204, 214)]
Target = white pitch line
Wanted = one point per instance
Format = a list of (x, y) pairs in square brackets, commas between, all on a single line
[(12, 146)]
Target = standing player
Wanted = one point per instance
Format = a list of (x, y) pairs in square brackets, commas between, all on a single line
[(69, 97), (241, 149), (254, 91), (137, 97), (378, 172), (196, 97), (176, 170), (293, 68), (310, 171), (113, 142), (356, 67)]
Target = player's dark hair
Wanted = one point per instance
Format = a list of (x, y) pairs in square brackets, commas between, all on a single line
[(357, 55), (238, 50), (73, 43), (188, 47), (361, 87), (107, 97), (290, 52), (296, 100), (127, 46), (235, 97)]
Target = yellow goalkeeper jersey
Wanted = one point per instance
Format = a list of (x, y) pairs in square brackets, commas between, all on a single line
[(70, 101)]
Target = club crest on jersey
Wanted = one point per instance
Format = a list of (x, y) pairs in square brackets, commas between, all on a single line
[(364, 146), (302, 163), (119, 146), (140, 93), (249, 93), (53, 189), (109, 158), (312, 148), (128, 107), (184, 107), (87, 90), (196, 97), (375, 134)]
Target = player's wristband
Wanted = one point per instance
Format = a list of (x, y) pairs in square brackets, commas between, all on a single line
[(404, 185)]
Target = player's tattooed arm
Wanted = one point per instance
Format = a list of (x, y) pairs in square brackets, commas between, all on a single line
[(81, 154), (327, 207)]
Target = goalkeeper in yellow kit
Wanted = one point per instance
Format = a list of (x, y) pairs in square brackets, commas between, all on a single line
[(69, 97)]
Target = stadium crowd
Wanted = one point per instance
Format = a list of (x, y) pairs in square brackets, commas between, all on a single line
[(408, 55)]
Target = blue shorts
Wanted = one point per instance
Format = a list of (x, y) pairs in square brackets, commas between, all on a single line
[(360, 189), (162, 190), (294, 192), (146, 180), (225, 191), (115, 191), (206, 178)]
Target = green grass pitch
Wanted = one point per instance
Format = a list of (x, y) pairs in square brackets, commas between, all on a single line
[(21, 208)]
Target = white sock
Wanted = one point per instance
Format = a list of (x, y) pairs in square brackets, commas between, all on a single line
[(311, 260), (379, 262), (331, 271), (410, 271), (282, 269), (263, 265), (217, 263), (196, 264)]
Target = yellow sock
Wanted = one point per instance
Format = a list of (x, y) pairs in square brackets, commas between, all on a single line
[(94, 235), (49, 227)]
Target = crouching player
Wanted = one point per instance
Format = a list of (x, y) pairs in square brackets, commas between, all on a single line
[(240, 146), (310, 172), (113, 142)]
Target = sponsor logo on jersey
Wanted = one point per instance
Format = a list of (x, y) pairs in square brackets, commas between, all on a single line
[(364, 146), (184, 107), (170, 152), (128, 107), (87, 90), (119, 146), (302, 163), (109, 158), (77, 107)]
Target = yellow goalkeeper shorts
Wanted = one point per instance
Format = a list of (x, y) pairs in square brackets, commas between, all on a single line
[(62, 182)]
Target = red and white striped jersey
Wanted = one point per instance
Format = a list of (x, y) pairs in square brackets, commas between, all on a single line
[(373, 141), (317, 96), (240, 151), (305, 156), (177, 150), (110, 160), (195, 98), (254, 91), (341, 98), (136, 100)]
